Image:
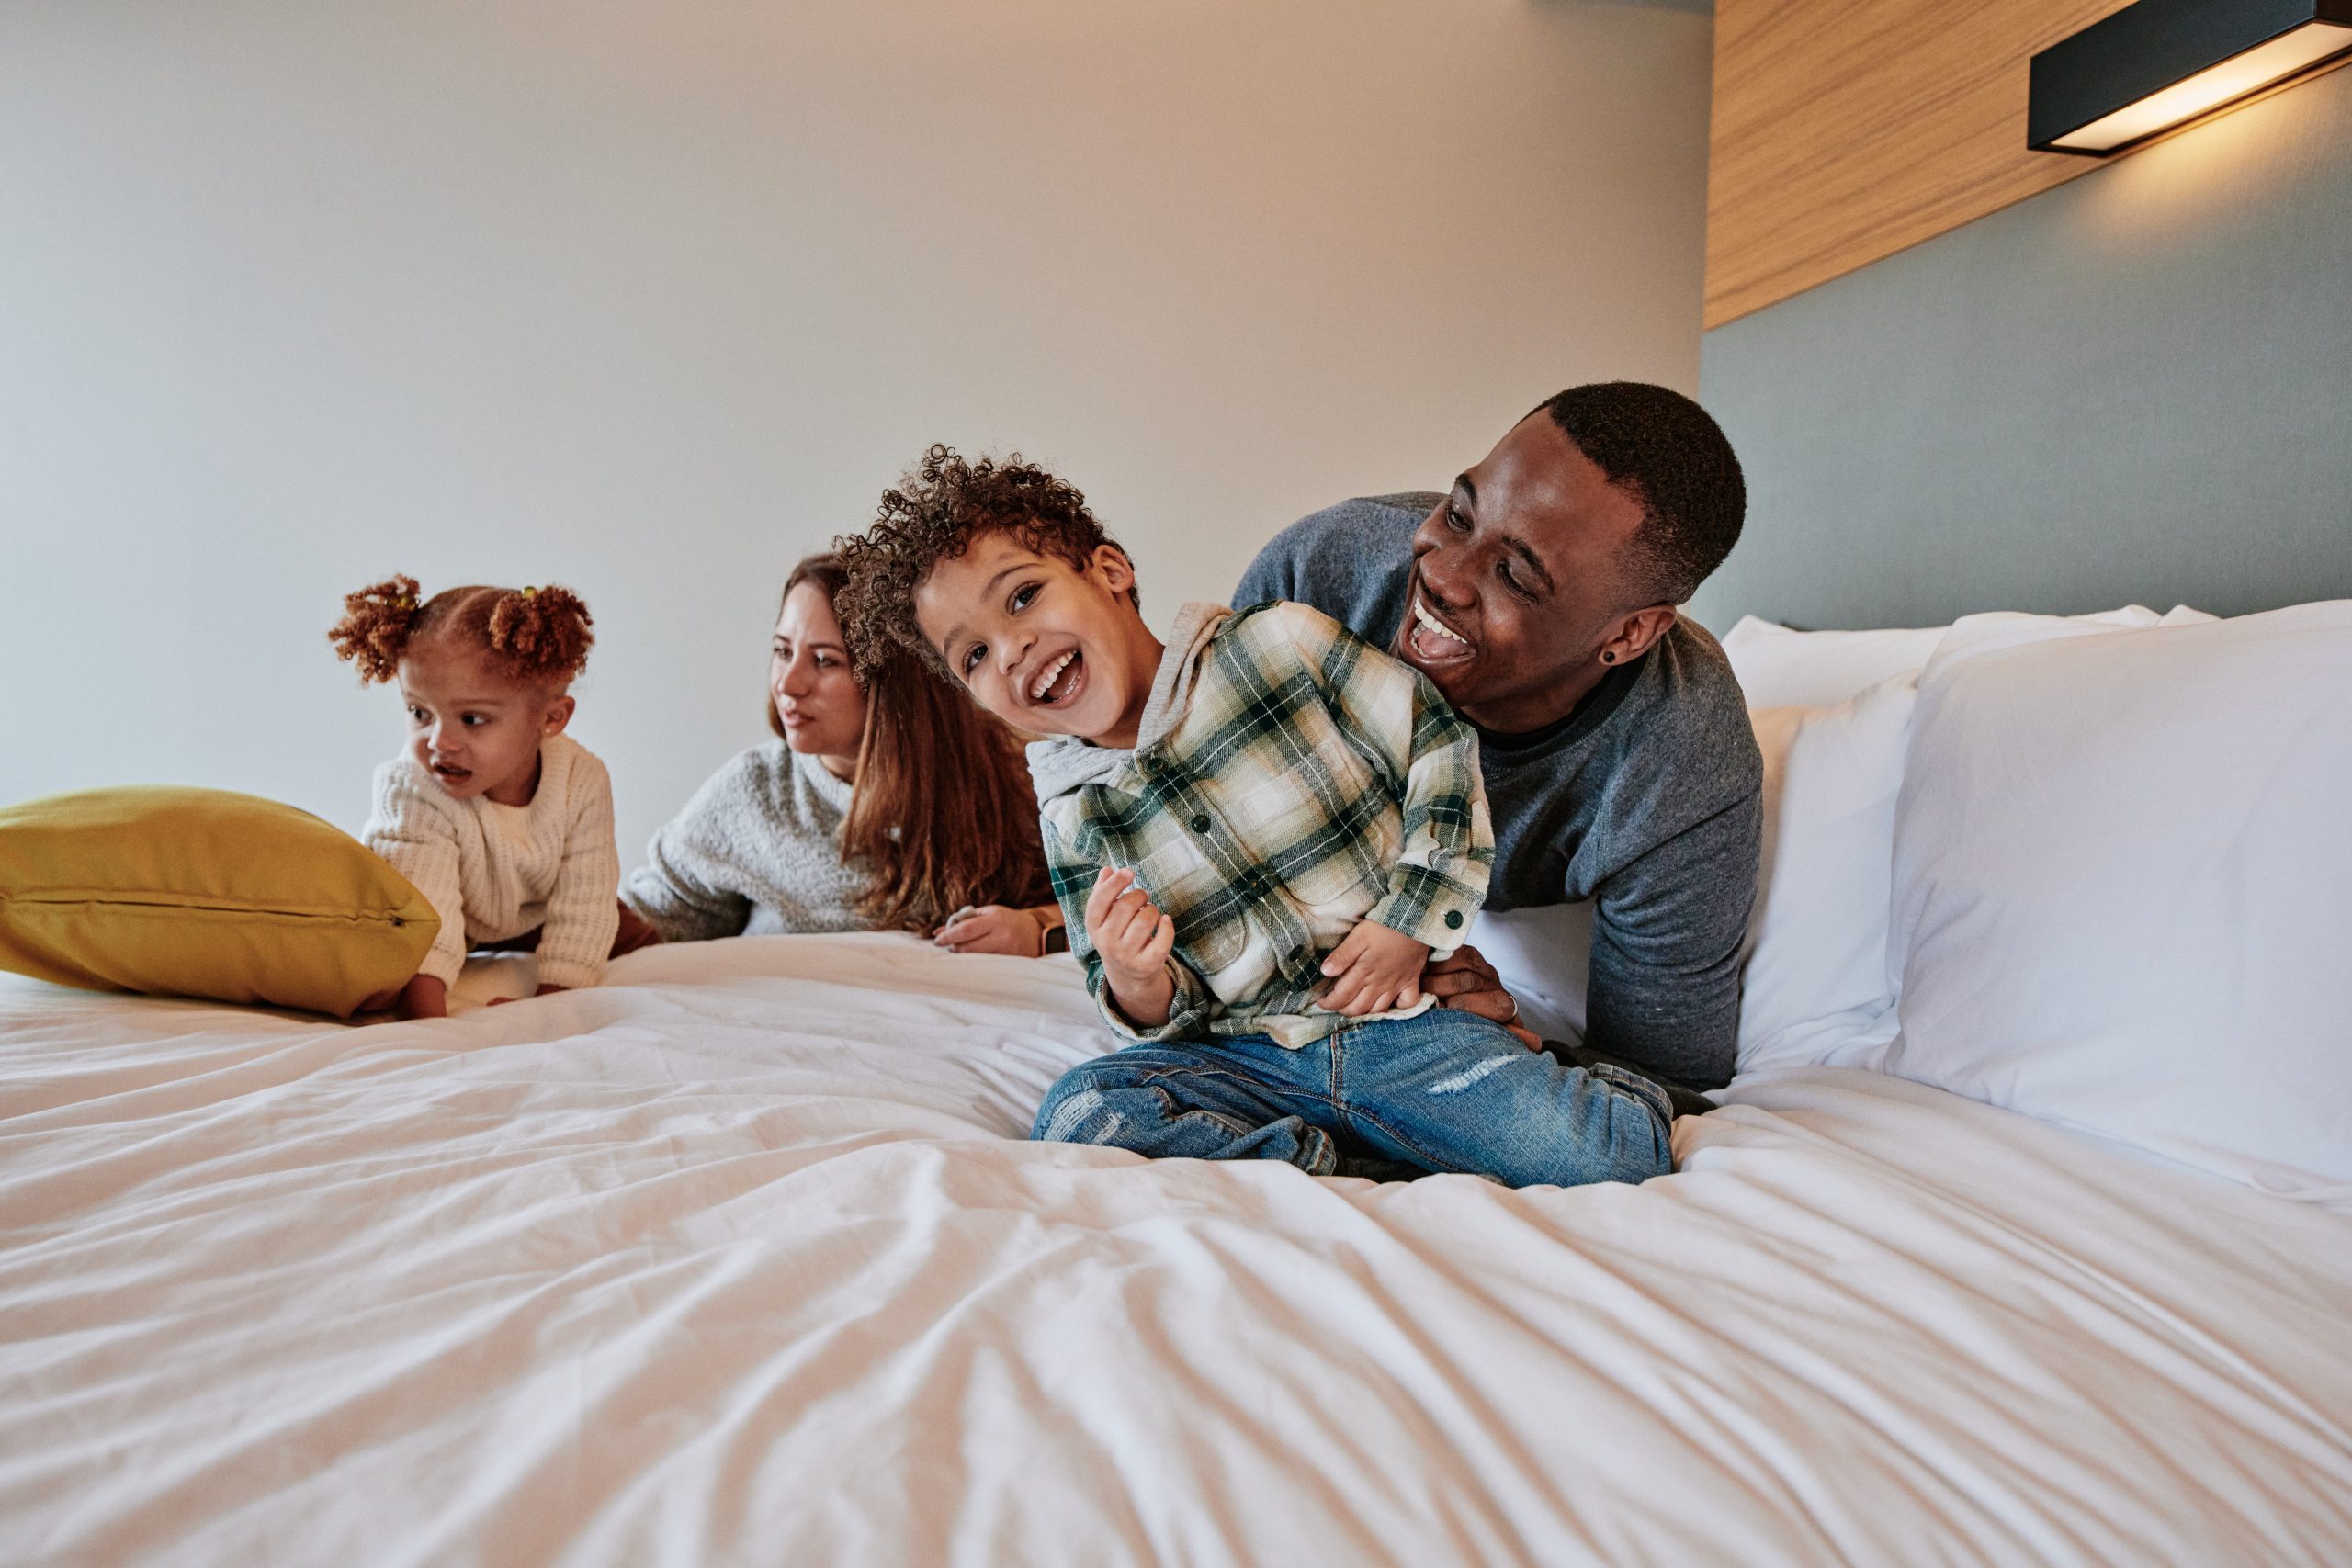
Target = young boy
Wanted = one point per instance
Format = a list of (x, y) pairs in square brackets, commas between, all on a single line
[(1260, 833)]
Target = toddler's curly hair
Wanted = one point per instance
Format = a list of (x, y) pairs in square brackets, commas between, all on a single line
[(539, 636), (937, 513)]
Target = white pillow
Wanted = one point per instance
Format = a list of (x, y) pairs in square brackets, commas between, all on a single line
[(2122, 889), (1815, 988), (1780, 667), (1818, 986), (1973, 634)]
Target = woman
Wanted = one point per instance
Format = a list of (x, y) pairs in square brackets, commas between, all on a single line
[(898, 805)]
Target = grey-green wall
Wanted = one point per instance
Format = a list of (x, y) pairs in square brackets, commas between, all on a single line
[(2135, 387)]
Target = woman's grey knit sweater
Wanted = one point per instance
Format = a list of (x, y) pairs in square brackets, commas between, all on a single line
[(756, 853)]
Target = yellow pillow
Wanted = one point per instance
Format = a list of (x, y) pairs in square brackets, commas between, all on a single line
[(203, 893)]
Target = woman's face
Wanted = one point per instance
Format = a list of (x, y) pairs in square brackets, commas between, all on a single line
[(817, 703)]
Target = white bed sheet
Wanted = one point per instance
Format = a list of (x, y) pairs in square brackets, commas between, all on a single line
[(736, 1260)]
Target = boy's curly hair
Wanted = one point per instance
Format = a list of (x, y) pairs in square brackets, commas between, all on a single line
[(539, 637), (935, 513)]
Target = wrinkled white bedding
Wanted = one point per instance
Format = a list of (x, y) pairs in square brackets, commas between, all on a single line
[(736, 1260)]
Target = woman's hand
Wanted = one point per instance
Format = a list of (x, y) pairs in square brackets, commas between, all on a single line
[(1134, 939), (993, 928), (1374, 969), (1468, 983)]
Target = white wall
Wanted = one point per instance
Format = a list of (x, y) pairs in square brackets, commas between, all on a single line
[(652, 299)]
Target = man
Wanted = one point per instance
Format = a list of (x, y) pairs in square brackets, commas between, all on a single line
[(1539, 596)]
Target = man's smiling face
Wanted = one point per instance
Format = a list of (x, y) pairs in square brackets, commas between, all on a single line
[(1518, 577)]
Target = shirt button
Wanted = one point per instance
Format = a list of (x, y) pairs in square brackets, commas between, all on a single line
[(1200, 824), (1453, 919)]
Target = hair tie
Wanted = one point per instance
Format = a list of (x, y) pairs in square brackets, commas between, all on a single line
[(530, 592)]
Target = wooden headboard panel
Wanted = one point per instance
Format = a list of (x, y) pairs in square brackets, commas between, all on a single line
[(1845, 130)]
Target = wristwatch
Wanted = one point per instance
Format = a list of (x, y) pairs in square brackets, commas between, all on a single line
[(1056, 936)]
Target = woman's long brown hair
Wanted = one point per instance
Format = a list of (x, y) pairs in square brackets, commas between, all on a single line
[(942, 811)]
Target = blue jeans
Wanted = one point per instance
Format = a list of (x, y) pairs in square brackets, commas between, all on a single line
[(1445, 1091)]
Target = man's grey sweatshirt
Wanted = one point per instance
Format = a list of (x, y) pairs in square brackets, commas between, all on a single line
[(1647, 799)]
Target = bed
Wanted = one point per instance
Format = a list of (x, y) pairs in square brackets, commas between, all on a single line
[(740, 1258), (2023, 1235)]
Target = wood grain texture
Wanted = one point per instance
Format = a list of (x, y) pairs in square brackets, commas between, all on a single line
[(1847, 130)]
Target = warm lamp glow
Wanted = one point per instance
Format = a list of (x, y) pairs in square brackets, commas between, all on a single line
[(2210, 89)]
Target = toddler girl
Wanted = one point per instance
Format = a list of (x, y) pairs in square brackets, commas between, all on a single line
[(501, 819)]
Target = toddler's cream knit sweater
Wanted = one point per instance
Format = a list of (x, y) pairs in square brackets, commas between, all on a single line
[(494, 871)]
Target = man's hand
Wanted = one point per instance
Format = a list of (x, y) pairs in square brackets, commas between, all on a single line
[(1468, 983), (1374, 969), (1134, 940)]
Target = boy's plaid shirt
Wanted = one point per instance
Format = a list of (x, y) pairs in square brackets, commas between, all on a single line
[(1308, 781)]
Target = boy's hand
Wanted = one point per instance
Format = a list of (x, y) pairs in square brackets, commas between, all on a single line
[(1374, 969), (1134, 940)]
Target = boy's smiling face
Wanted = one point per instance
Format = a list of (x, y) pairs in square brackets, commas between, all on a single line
[(1040, 644)]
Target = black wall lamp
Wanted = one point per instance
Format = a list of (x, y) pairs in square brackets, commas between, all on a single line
[(2155, 64)]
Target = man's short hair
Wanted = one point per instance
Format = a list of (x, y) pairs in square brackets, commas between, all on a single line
[(1673, 458)]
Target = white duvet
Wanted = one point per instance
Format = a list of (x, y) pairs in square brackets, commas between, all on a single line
[(737, 1260)]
